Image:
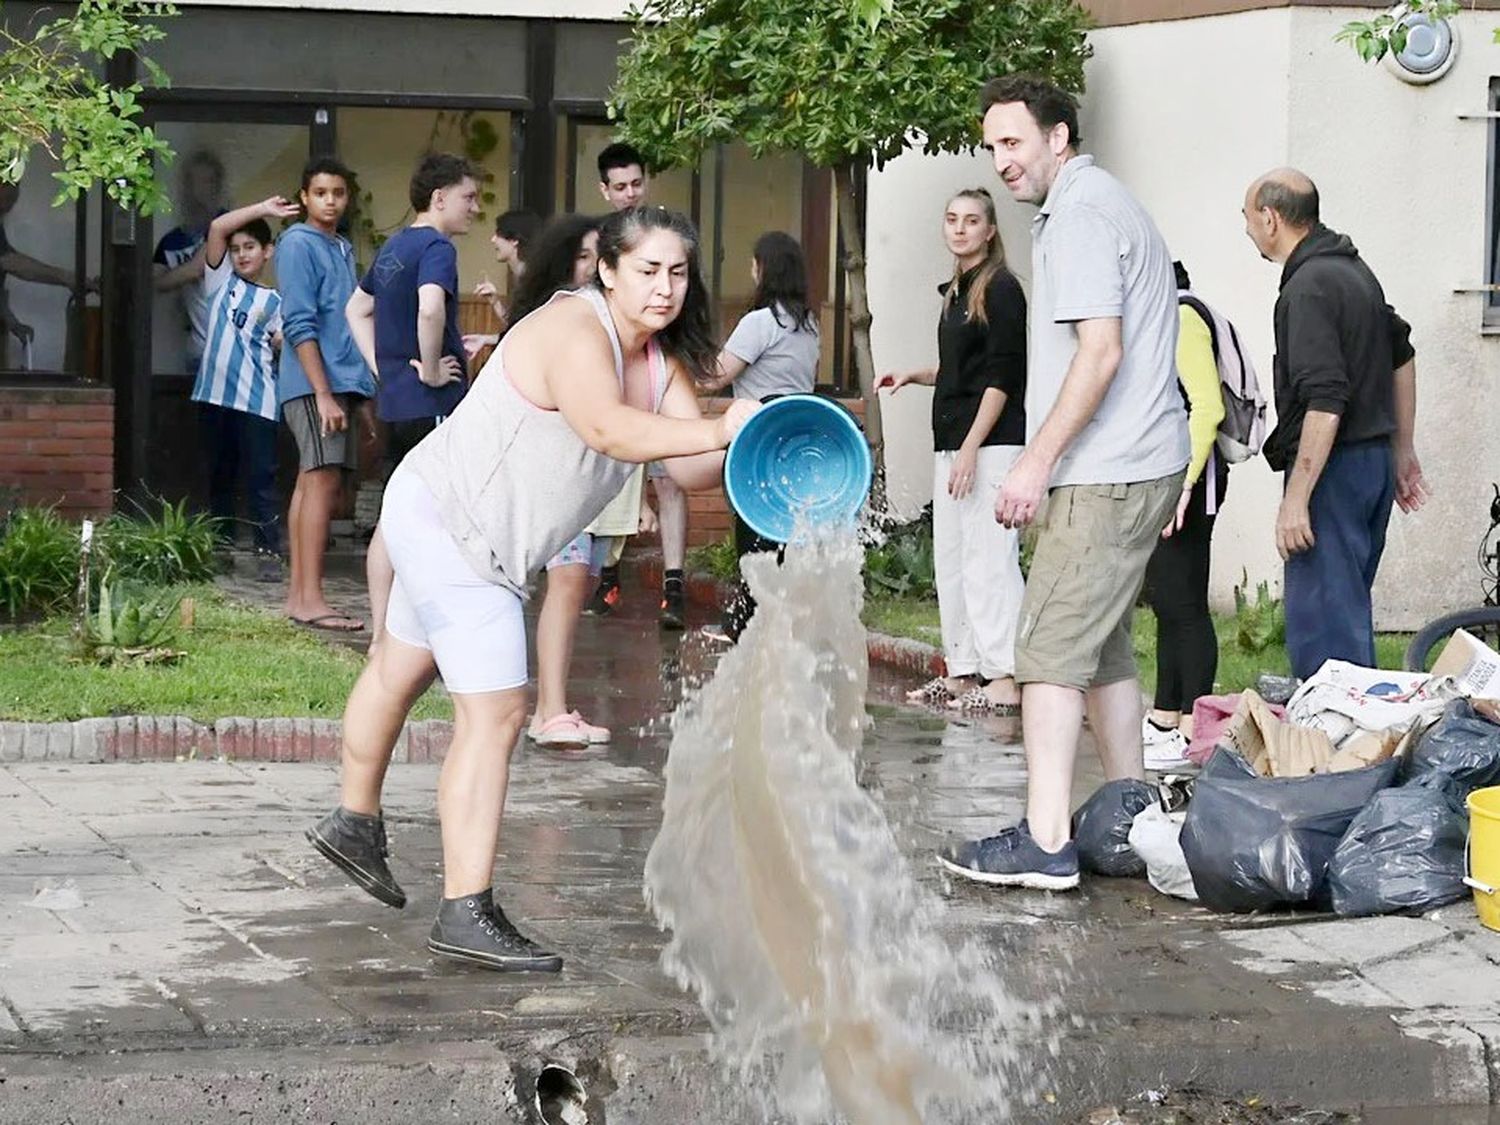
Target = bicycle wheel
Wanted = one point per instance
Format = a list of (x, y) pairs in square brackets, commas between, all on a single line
[(1481, 620)]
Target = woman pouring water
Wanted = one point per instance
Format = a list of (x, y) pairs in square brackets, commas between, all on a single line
[(593, 383)]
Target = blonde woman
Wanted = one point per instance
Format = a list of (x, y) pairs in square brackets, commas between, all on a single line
[(978, 430)]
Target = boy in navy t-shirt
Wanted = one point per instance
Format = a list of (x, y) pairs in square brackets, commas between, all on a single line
[(404, 317)]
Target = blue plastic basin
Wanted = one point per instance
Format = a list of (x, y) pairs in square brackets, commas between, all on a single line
[(798, 455)]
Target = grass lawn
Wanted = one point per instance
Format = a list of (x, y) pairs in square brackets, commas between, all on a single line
[(918, 620), (239, 662)]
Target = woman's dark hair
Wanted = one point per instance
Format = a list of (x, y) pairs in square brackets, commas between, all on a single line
[(549, 262), (1183, 280), (689, 339), (520, 227), (783, 280)]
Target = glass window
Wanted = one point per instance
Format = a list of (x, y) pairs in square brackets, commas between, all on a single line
[(48, 324), (778, 191), (220, 165), (383, 146), (578, 151)]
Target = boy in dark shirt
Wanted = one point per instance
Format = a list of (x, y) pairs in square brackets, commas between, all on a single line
[(404, 317)]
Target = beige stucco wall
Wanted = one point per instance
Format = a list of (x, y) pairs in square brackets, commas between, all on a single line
[(1405, 178), (1187, 113), (904, 229)]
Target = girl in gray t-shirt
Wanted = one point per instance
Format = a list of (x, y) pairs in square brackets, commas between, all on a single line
[(773, 351)]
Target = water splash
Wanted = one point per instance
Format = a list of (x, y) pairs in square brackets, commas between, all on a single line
[(820, 960)]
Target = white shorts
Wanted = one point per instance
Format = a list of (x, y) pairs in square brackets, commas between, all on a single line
[(473, 628)]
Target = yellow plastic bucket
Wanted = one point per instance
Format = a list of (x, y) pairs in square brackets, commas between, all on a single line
[(1484, 854)]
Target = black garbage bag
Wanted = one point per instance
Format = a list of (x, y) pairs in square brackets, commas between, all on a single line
[(1462, 745), (1256, 843), (1404, 852), (1101, 828)]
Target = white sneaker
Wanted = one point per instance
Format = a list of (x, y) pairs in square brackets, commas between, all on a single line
[(1164, 749)]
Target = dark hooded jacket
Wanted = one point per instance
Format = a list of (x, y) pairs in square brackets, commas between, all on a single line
[(1337, 344)]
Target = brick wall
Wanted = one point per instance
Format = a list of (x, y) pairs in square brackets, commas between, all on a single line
[(57, 446), (708, 512)]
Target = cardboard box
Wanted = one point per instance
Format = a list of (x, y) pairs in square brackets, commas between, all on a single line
[(1474, 666), (1272, 747)]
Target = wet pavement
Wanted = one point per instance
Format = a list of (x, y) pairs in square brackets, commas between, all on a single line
[(171, 948)]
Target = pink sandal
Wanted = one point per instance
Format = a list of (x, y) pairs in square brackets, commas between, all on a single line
[(567, 731)]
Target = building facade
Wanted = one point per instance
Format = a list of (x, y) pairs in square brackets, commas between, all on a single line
[(257, 88), (1187, 101)]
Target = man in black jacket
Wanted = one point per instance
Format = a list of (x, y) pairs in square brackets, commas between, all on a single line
[(1346, 401)]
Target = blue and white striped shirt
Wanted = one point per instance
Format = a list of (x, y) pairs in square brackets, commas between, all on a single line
[(238, 369)]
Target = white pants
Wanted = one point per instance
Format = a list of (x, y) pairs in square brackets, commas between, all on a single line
[(978, 564)]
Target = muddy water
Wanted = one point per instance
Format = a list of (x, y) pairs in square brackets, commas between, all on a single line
[(794, 917)]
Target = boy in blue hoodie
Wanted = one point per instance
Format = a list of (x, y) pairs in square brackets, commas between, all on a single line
[(323, 382)]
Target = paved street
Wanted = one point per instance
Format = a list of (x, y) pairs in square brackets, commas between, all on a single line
[(170, 947)]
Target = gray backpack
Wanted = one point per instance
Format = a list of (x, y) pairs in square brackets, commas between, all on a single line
[(1243, 430)]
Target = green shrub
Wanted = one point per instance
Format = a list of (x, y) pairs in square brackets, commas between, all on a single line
[(718, 559), (38, 561), (903, 565), (1261, 624), (160, 550)]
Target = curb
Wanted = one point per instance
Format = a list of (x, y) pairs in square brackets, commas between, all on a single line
[(901, 653), (169, 738)]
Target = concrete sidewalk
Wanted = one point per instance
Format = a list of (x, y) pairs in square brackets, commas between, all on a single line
[(171, 948), (167, 940)]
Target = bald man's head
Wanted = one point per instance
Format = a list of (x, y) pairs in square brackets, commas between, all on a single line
[(1288, 192), (1281, 209)]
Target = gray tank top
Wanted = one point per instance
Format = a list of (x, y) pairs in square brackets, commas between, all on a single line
[(512, 481)]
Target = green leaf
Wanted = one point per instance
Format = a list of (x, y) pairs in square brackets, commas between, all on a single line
[(53, 96)]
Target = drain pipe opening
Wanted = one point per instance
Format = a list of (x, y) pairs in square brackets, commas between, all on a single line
[(560, 1097)]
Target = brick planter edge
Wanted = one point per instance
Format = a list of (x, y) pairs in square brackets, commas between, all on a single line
[(167, 738)]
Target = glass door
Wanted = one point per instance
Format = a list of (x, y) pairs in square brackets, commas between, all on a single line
[(226, 156)]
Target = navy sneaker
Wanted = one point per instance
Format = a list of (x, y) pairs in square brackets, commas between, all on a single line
[(1013, 859)]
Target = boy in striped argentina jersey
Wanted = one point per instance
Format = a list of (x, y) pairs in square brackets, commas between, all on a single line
[(236, 385)]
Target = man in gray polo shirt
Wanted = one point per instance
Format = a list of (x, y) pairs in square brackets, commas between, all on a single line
[(1107, 446)]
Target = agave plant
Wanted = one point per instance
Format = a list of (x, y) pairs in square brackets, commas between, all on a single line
[(128, 625)]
